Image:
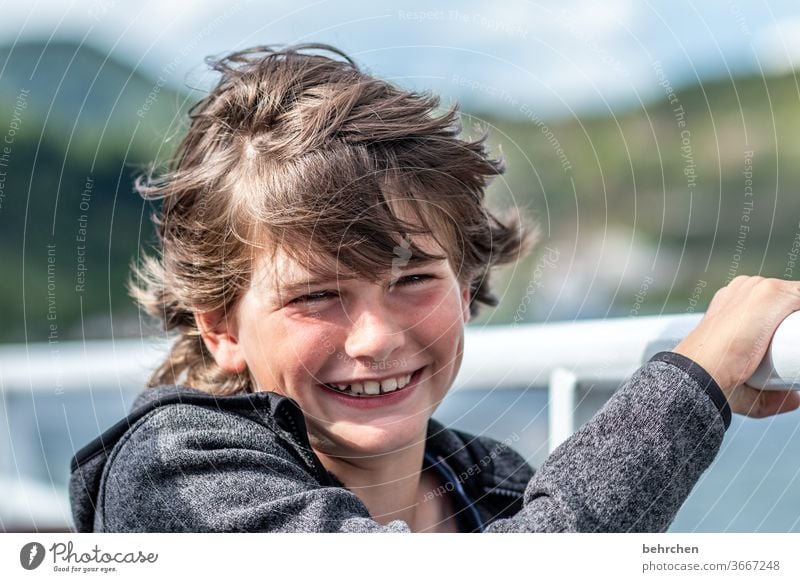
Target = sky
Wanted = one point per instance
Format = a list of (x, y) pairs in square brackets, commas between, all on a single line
[(553, 57)]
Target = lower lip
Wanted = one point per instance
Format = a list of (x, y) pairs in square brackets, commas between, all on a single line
[(377, 401)]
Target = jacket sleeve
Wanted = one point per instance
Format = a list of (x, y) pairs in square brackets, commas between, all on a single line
[(190, 468), (631, 467)]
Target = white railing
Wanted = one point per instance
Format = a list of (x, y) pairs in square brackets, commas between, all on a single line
[(558, 357)]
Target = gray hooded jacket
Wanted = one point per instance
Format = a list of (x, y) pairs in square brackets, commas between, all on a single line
[(185, 460)]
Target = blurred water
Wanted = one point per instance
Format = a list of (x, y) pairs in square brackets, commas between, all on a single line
[(46, 429)]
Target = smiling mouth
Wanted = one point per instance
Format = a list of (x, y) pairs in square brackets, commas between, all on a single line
[(368, 389)]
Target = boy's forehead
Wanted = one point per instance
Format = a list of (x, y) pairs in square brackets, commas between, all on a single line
[(280, 269)]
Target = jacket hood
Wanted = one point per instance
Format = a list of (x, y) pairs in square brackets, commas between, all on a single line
[(490, 473)]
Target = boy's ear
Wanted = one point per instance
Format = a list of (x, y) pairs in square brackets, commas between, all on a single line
[(219, 333)]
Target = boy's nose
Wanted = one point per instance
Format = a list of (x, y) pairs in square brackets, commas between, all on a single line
[(373, 334)]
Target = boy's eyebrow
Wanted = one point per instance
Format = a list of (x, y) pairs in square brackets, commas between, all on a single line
[(306, 283), (299, 285)]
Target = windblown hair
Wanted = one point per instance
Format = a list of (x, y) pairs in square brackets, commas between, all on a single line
[(303, 153)]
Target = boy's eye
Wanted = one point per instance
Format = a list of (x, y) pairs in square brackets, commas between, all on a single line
[(414, 279), (318, 296), (314, 297)]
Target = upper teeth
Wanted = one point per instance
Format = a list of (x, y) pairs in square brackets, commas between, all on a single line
[(374, 386)]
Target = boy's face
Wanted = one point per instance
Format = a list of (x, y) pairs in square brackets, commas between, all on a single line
[(349, 329)]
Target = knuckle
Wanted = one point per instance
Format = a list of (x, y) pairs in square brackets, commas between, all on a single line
[(739, 279), (772, 286), (718, 298), (721, 291)]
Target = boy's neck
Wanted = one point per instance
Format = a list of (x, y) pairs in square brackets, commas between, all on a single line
[(393, 487)]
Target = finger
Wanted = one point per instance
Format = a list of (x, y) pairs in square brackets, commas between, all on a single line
[(780, 401), (755, 403)]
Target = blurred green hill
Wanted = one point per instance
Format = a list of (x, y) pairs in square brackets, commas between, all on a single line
[(82, 126), (698, 190)]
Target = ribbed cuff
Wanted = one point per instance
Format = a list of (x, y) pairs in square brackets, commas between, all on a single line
[(699, 375)]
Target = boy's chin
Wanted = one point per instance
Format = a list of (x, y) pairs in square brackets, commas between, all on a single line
[(369, 441)]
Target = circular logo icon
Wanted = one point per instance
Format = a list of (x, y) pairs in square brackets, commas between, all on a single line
[(31, 555)]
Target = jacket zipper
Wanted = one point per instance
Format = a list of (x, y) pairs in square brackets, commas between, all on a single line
[(508, 492)]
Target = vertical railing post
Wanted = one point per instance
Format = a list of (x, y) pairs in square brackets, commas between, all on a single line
[(561, 406)]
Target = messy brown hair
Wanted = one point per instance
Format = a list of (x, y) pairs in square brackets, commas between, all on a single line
[(298, 149)]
